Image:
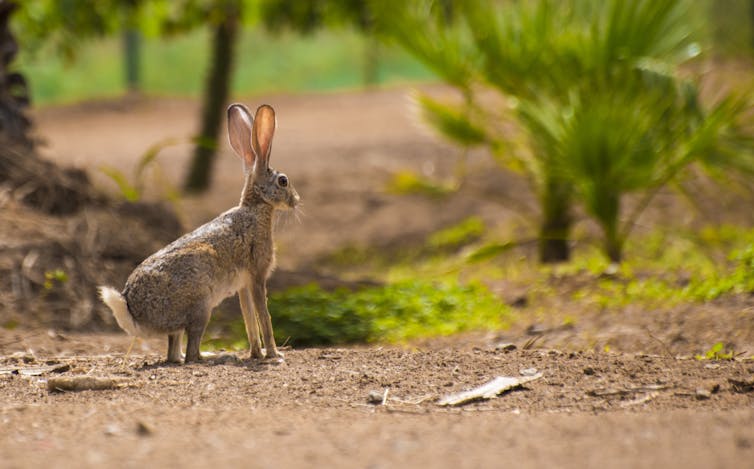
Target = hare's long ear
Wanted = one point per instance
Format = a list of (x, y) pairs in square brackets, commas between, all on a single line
[(240, 124), (263, 131)]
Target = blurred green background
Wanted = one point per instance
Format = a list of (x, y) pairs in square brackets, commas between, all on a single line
[(597, 105), (176, 66), (324, 59)]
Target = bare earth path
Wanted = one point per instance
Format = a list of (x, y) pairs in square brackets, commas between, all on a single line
[(590, 409)]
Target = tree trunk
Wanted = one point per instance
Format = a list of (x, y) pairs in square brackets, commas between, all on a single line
[(216, 93), (608, 215), (613, 249), (132, 56), (14, 94), (751, 19), (371, 70), (556, 223)]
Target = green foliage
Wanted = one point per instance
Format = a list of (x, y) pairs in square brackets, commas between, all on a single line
[(730, 26), (394, 312), (426, 298), (716, 352), (307, 16), (594, 85), (63, 24), (408, 182), (739, 280), (424, 29), (54, 277), (127, 190), (665, 273), (133, 189), (10, 324), (487, 252), (451, 122), (453, 237), (320, 62)]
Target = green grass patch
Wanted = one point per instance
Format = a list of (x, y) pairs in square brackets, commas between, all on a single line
[(393, 313), (695, 268), (661, 271), (716, 352), (443, 294)]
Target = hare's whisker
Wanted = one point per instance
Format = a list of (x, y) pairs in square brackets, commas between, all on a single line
[(299, 214)]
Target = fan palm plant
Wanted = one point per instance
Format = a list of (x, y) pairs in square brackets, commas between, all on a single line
[(592, 85)]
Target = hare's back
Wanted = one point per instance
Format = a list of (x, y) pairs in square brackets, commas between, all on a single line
[(173, 282)]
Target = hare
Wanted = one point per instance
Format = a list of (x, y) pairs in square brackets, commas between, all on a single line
[(175, 289)]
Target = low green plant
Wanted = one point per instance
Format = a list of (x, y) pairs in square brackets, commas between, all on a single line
[(487, 252), (10, 324), (458, 235), (716, 352), (395, 312), (688, 270), (127, 190), (408, 182), (586, 97), (132, 189), (739, 280), (54, 277)]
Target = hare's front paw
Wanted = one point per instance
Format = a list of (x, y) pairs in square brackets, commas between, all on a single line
[(256, 354)]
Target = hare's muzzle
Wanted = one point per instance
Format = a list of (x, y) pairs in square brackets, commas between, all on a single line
[(293, 198)]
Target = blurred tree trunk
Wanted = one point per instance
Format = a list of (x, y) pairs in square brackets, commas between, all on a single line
[(751, 19), (366, 23), (14, 95), (217, 88), (131, 38), (132, 56), (371, 72), (556, 223)]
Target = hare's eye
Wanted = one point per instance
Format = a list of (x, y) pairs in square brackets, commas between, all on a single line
[(283, 180)]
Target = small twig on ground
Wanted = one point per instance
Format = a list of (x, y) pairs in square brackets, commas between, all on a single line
[(128, 353), (83, 383), (608, 392), (531, 342), (664, 346), (640, 400), (418, 401), (488, 390)]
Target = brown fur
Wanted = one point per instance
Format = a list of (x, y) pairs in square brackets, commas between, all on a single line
[(175, 289)]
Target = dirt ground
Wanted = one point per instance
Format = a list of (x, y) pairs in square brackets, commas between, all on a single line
[(313, 410), (646, 403)]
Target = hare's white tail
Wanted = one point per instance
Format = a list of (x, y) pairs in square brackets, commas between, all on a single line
[(118, 305)]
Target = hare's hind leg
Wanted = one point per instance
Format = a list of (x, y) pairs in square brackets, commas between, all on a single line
[(259, 296), (174, 347), (250, 320), (195, 331)]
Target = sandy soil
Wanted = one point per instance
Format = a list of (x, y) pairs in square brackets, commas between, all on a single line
[(314, 410), (650, 403)]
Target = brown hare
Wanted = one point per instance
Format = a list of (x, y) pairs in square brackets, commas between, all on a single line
[(175, 289)]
